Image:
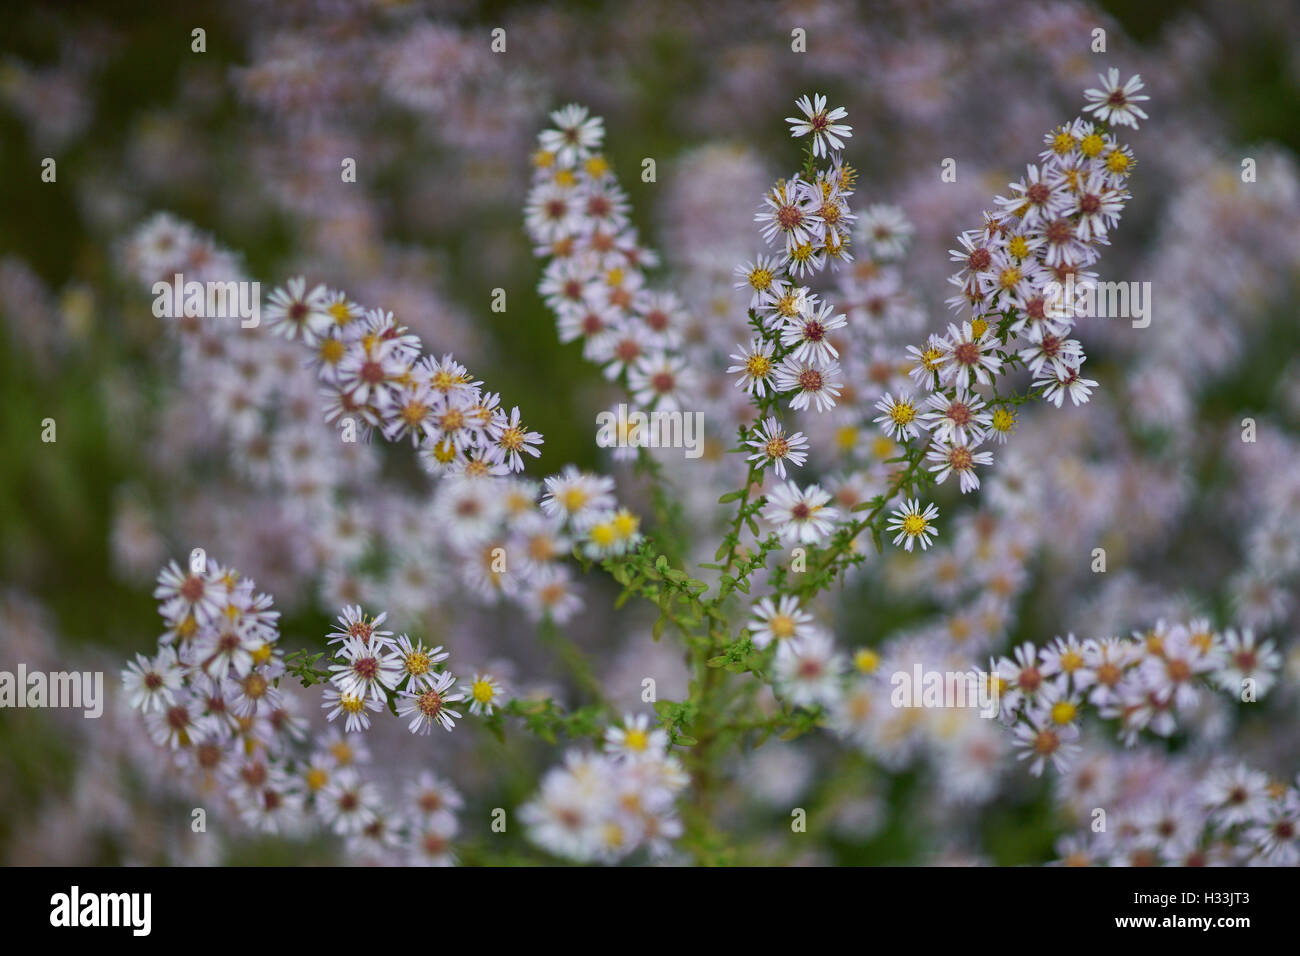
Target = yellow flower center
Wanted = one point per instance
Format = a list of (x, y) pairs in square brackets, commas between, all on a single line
[(1063, 712), (625, 523), (1062, 143), (1092, 145), (331, 351), (902, 413), (866, 660), (782, 626)]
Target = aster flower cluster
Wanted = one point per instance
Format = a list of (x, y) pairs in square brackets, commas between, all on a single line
[(826, 365), (370, 670), (605, 806), (211, 700), (1144, 683), (1180, 812), (376, 377), (1018, 279), (807, 221), (577, 217)]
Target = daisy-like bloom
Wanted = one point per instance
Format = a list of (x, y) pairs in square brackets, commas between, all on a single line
[(1056, 706), (370, 376), (802, 517), (411, 412), (780, 623), (175, 725), (813, 385), (1012, 280), (429, 795), (615, 533), (784, 301), (1022, 678), (1040, 739), (294, 312), (837, 219), (510, 437), (1058, 383), (661, 381), (254, 692), (1050, 349), (366, 670), (226, 648), (604, 207), (807, 334), (635, 739), (151, 684), (417, 661), (429, 841), (274, 807), (578, 496), (353, 708), (183, 594), (428, 706), (347, 804), (773, 445), (355, 623), (662, 316), (1097, 207), (900, 420), (1002, 423), (575, 137), (808, 673), (1117, 104), (926, 363), (485, 694), (1119, 164), (342, 309), (1067, 657), (826, 133), (913, 524), (1034, 200), (755, 365), (885, 231), (959, 417), (1243, 660), (469, 509), (622, 348), (758, 276), (806, 258), (968, 356), (1235, 795), (790, 211), (564, 816), (1277, 835), (976, 258), (1106, 660), (949, 457)]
